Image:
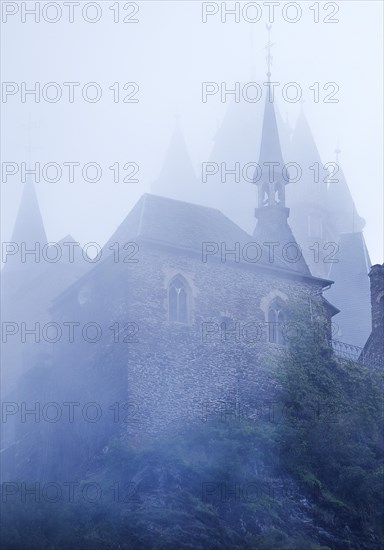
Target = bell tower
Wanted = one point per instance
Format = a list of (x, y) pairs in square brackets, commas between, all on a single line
[(271, 176)]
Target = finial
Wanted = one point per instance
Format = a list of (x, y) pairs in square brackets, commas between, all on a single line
[(268, 47)]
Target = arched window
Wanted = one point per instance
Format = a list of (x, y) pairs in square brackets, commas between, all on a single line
[(276, 322), (178, 295)]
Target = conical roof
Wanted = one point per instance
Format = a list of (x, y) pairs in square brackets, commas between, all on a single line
[(29, 226), (341, 206), (177, 178)]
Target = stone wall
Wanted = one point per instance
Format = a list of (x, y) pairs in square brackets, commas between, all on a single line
[(170, 372)]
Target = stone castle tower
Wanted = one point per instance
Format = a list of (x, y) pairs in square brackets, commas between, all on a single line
[(185, 311), (189, 308), (34, 273), (323, 215)]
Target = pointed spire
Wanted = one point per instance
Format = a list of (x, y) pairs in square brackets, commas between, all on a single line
[(28, 235), (29, 226), (285, 131), (272, 214), (243, 121), (307, 196), (272, 179), (311, 187), (341, 206), (271, 182), (177, 178), (340, 202), (303, 141)]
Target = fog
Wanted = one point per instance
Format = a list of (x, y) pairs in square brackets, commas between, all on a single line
[(204, 372), (169, 53)]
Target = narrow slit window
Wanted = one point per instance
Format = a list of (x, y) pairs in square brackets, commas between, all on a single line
[(178, 300), (276, 323)]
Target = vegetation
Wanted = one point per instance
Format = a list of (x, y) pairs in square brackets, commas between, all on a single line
[(309, 478)]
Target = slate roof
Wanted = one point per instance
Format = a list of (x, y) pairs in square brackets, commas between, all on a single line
[(29, 226), (177, 176), (341, 206), (272, 225), (351, 291), (275, 229), (270, 148), (304, 151), (177, 223), (186, 226), (238, 140)]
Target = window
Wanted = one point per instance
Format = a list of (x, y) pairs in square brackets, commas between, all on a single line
[(276, 323), (178, 300)]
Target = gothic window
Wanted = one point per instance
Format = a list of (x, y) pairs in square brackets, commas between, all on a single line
[(276, 323), (178, 294), (277, 196)]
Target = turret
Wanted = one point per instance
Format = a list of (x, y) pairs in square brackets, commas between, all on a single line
[(177, 178)]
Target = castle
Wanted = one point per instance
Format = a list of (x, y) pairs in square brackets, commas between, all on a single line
[(323, 216), (186, 305)]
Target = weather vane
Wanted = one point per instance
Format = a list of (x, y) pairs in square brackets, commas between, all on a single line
[(268, 47)]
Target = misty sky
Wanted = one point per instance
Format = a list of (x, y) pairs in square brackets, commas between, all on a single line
[(169, 53)]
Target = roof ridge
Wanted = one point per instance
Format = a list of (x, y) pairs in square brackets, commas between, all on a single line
[(185, 202)]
